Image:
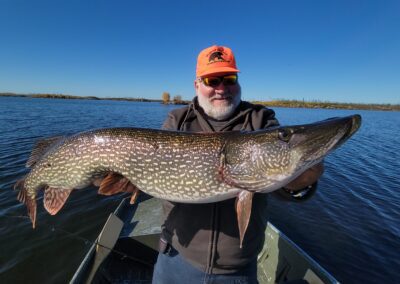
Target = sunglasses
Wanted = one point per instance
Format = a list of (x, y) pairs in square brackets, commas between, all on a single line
[(228, 80)]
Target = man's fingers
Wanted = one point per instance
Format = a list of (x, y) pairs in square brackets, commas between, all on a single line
[(307, 178)]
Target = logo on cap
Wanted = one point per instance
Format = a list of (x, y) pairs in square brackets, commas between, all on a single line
[(216, 56)]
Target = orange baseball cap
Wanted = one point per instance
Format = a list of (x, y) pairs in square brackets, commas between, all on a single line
[(214, 60)]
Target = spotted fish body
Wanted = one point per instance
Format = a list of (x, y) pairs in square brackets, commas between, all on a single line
[(178, 166), (169, 165)]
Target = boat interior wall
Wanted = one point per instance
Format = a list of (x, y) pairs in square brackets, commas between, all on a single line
[(281, 260), (129, 261), (135, 253)]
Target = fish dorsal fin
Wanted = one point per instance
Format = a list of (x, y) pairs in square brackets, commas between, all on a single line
[(54, 198), (115, 183), (243, 212), (41, 148)]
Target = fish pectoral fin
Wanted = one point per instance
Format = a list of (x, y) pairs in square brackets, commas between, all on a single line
[(243, 212), (115, 183), (41, 148), (29, 201), (55, 198)]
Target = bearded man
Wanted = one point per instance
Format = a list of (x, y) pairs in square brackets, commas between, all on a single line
[(200, 243)]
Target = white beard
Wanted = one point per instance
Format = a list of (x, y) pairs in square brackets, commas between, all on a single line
[(221, 112)]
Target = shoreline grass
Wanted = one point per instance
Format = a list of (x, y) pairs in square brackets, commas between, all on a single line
[(328, 105)]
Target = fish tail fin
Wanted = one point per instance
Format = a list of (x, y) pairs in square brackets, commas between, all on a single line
[(29, 201)]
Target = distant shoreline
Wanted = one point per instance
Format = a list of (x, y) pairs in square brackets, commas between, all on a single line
[(273, 103), (70, 97)]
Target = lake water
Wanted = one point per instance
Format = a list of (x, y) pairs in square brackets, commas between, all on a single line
[(351, 225)]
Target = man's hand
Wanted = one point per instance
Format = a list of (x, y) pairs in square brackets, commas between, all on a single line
[(307, 178)]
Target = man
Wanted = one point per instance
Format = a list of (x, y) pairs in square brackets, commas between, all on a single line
[(200, 242)]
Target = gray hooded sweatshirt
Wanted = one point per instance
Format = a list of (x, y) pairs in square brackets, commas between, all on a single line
[(207, 235)]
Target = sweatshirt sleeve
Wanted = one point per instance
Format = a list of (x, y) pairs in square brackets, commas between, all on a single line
[(171, 122), (263, 118), (269, 118)]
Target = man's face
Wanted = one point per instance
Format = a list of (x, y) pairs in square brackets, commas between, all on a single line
[(220, 101)]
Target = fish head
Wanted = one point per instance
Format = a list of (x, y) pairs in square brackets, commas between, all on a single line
[(310, 143), (297, 148), (272, 158)]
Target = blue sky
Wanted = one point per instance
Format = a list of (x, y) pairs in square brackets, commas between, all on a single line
[(340, 51)]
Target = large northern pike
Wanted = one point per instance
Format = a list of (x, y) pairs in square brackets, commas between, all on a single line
[(179, 166)]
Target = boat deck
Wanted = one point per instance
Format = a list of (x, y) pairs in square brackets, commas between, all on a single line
[(135, 253)]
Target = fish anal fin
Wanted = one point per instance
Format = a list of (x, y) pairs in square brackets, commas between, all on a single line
[(243, 212), (55, 198), (29, 201), (114, 183), (40, 148)]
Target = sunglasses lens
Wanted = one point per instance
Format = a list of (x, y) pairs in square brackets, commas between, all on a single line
[(212, 81), (229, 80)]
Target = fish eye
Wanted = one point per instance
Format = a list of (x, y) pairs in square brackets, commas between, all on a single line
[(284, 134)]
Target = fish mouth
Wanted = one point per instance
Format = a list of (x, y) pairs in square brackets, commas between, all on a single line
[(356, 123), (313, 142), (351, 124)]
